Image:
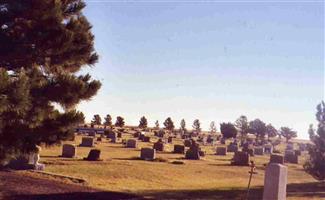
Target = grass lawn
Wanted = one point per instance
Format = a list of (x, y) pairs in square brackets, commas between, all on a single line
[(210, 178)]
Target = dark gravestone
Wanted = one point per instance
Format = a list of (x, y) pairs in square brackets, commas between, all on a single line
[(136, 134), (146, 139), (259, 151), (159, 145), (291, 158), (187, 143), (221, 151), (131, 143), (276, 158), (148, 154), (193, 153), (87, 142), (298, 152), (119, 134), (240, 158), (232, 148), (141, 136), (69, 151), (94, 155), (179, 148), (170, 139)]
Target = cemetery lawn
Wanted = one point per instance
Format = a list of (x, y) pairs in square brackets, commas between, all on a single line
[(210, 178)]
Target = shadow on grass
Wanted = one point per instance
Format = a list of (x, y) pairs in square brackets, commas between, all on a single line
[(77, 196), (301, 190)]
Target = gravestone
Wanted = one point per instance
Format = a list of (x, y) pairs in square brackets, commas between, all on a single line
[(146, 139), (136, 134), (94, 155), (232, 148), (179, 148), (159, 145), (87, 142), (302, 147), (289, 146), (187, 143), (112, 135), (170, 140), (148, 154), (259, 151), (291, 158), (298, 152), (221, 151), (240, 158), (268, 148), (131, 143), (119, 134), (193, 153), (69, 151), (276, 158), (275, 182)]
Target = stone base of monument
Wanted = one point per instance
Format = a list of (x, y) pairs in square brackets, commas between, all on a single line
[(240, 158)]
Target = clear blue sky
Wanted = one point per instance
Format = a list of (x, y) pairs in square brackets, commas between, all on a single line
[(211, 60)]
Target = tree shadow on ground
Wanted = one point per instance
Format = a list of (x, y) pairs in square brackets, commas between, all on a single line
[(301, 190), (78, 196)]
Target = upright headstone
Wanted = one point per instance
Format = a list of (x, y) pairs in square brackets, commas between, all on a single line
[(146, 139), (94, 155), (194, 152), (275, 182), (87, 142), (268, 148), (232, 147), (148, 154), (179, 148), (221, 151), (240, 158), (159, 145), (69, 151), (131, 143), (259, 151)]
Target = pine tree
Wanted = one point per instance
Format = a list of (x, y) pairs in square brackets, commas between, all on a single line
[(228, 130), (119, 121), (108, 120), (243, 127), (143, 122), (97, 120), (258, 127), (169, 124), (157, 124), (183, 125), (213, 128), (315, 164), (287, 133), (271, 131), (44, 43), (197, 126)]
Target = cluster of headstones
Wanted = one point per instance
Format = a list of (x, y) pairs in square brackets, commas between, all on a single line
[(248, 149)]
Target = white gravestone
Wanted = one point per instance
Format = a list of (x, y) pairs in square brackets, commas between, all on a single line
[(275, 182)]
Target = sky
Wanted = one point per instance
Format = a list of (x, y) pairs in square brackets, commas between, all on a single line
[(212, 61)]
